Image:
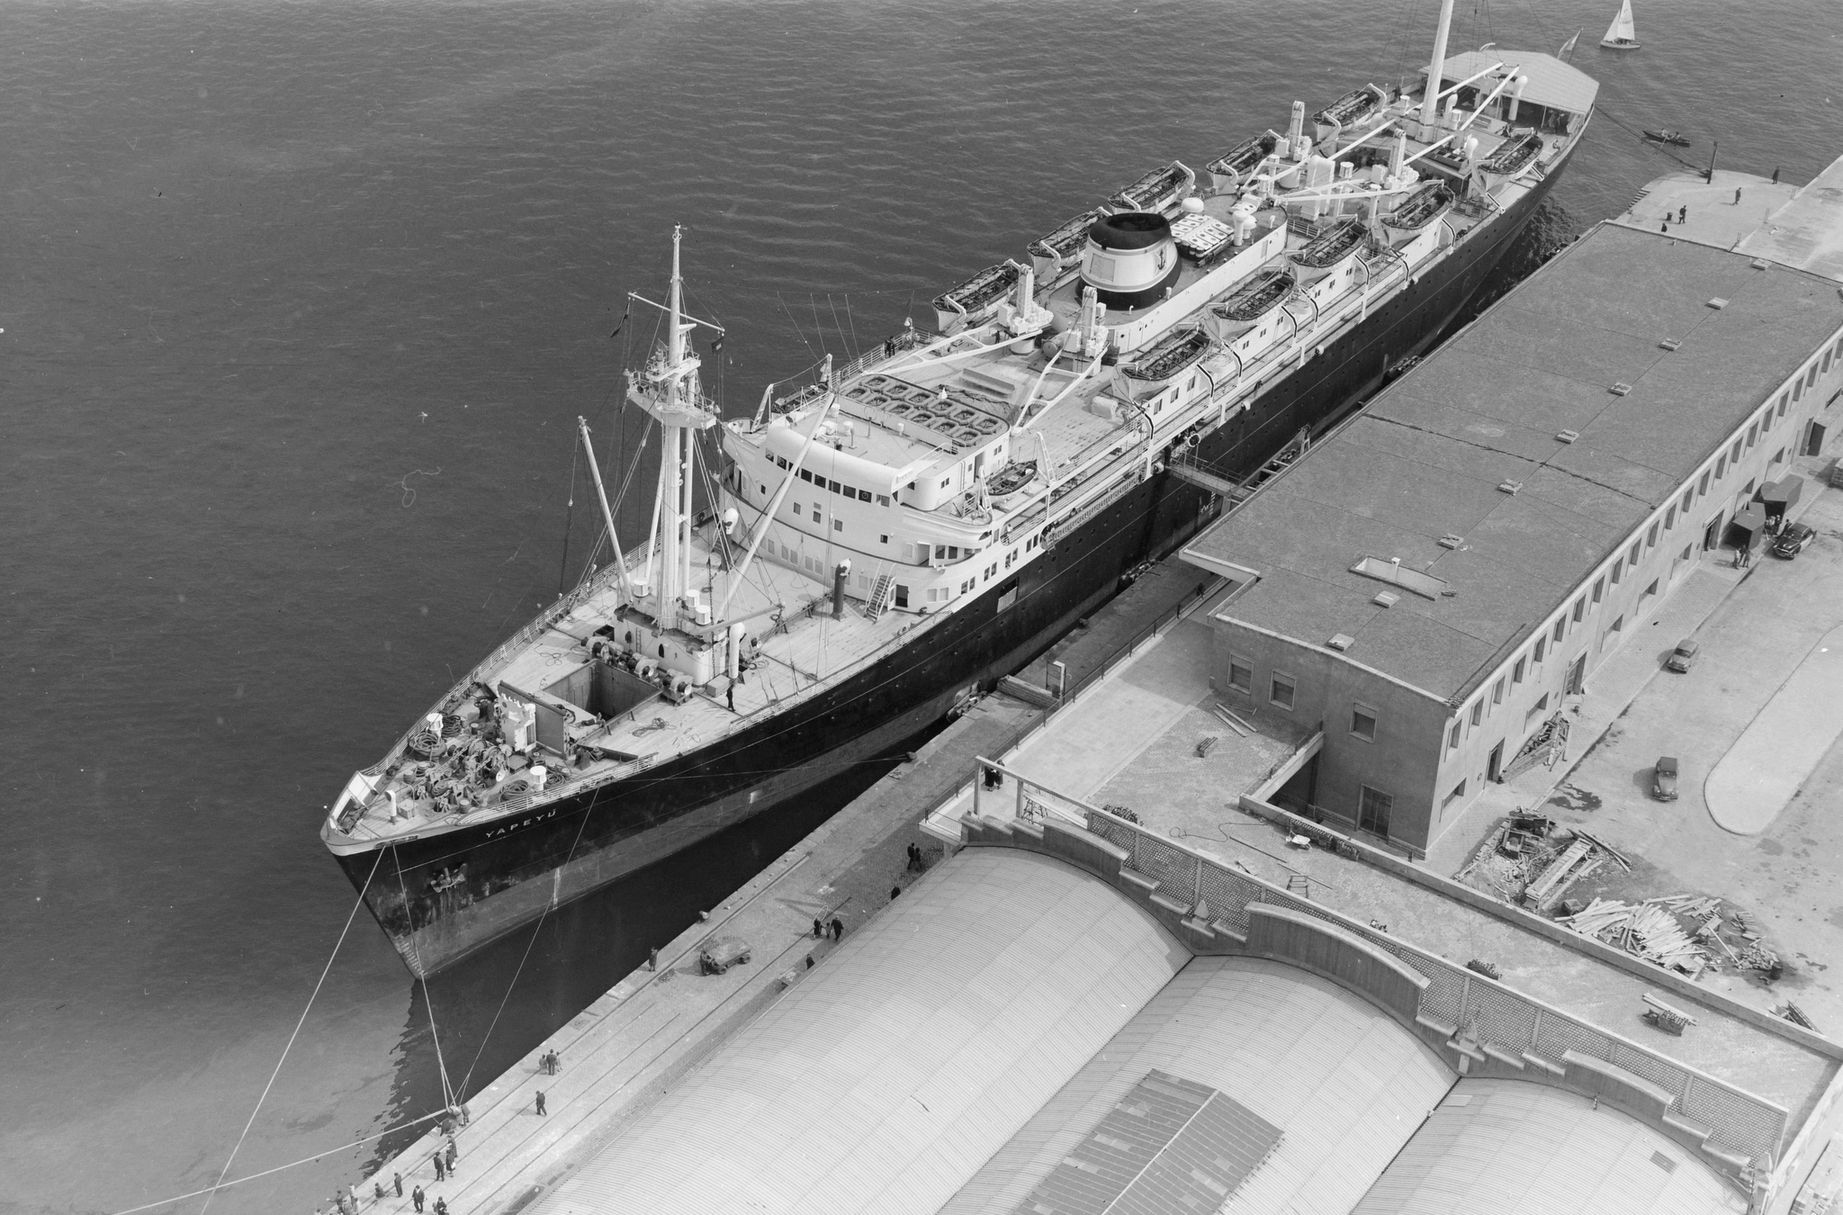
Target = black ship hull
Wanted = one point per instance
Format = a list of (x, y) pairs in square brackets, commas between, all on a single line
[(446, 894)]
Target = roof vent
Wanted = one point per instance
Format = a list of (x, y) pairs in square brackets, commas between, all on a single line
[(1621, 389), (1450, 540), (1387, 599), (1671, 343), (1341, 641), (1718, 303), (1760, 263), (1568, 436), (1509, 487)]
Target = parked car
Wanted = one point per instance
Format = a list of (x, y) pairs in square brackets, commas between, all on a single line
[(1793, 539), (1683, 657), (1664, 779), (721, 953)]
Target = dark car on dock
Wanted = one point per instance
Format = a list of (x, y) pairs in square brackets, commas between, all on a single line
[(1793, 539), (1664, 779), (1683, 657)]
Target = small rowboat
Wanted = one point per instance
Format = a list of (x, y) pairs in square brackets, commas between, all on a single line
[(1666, 135)]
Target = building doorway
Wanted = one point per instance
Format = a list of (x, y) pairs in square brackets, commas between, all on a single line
[(1577, 677), (1373, 811), (1494, 771), (1814, 439), (1711, 535)]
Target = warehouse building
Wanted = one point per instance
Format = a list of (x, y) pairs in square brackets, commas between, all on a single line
[(1431, 583)]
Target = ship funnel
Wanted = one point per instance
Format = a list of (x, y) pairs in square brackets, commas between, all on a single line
[(1131, 259)]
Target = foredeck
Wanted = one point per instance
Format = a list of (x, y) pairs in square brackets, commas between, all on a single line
[(801, 649)]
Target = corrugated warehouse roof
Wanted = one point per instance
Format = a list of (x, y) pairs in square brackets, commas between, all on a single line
[(885, 1078), (1509, 1147), (1428, 457), (1015, 1035), (1345, 1084)]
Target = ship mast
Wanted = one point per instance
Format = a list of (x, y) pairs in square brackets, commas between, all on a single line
[(667, 389), (1430, 102)]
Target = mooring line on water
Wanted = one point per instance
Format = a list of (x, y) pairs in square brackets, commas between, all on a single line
[(280, 1168), (324, 971)]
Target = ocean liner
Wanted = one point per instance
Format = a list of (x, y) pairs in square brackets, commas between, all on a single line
[(888, 534)]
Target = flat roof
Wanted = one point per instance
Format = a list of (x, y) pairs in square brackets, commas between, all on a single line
[(1427, 458)]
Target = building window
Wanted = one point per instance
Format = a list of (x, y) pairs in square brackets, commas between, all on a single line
[(1580, 610), (1452, 738), (1241, 673), (1536, 710), (1702, 485), (1649, 591), (797, 510), (1618, 569), (1721, 467), (1457, 793), (1779, 456), (1541, 643), (1561, 625), (1753, 432), (1373, 812), (1599, 590), (1650, 539), (1363, 722), (1478, 713), (1497, 691), (1780, 411), (1670, 517), (1516, 672), (1281, 692)]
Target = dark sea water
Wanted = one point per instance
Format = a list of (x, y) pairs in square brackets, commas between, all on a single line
[(301, 300)]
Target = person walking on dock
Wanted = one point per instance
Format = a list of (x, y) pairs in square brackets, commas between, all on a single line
[(540, 1103), (416, 1197), (396, 1181), (441, 1171), (838, 929), (452, 1153), (819, 928)]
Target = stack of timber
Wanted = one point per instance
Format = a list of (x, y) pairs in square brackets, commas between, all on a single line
[(1647, 930)]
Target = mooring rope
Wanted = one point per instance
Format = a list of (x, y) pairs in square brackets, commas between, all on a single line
[(324, 971)]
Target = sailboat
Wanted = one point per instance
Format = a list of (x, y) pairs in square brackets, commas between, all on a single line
[(1622, 34)]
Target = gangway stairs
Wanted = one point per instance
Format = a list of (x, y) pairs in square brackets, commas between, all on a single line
[(880, 593)]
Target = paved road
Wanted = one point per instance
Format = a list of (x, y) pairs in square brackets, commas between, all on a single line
[(1774, 625)]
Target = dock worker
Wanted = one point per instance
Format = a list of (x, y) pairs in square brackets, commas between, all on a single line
[(416, 1197), (441, 1170), (396, 1180), (540, 1103)]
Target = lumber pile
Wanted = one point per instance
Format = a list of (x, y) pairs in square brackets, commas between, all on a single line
[(1647, 930)]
